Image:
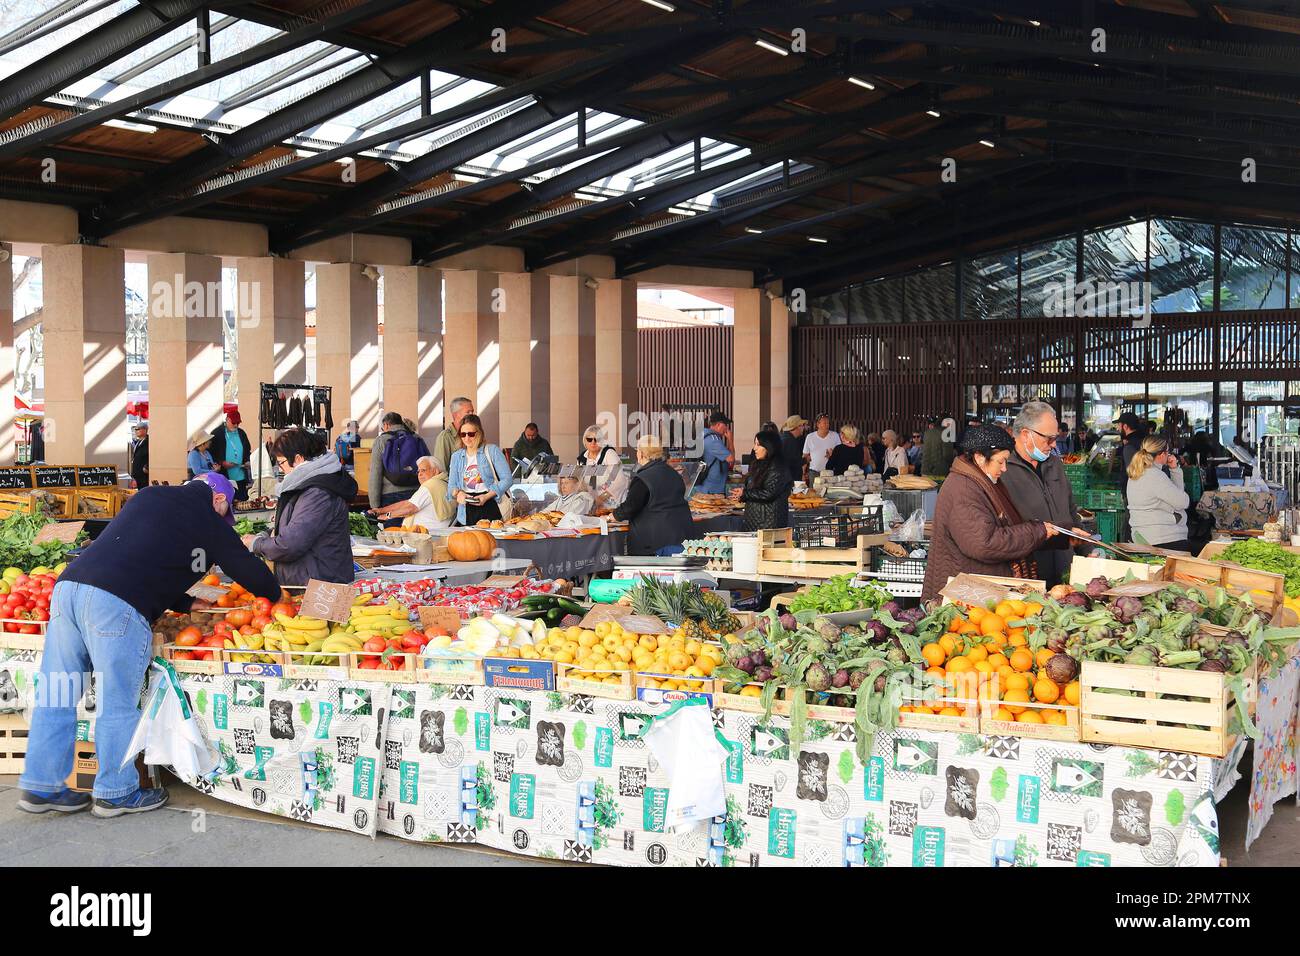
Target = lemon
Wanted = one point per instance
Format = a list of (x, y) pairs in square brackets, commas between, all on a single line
[(573, 632)]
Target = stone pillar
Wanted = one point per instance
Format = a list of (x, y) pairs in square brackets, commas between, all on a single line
[(616, 356), (185, 356), (752, 363), (471, 349), (413, 346), (6, 354), (782, 341), (347, 343), (573, 363), (525, 321)]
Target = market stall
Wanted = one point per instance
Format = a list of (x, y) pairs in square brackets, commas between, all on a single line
[(566, 556)]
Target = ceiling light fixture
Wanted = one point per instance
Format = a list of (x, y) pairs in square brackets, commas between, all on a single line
[(862, 83), (127, 124), (817, 239), (934, 113), (988, 143), (772, 47), (1032, 23), (753, 232), (661, 5)]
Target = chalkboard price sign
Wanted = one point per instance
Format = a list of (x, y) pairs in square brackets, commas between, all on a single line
[(15, 478), (55, 476), (96, 476)]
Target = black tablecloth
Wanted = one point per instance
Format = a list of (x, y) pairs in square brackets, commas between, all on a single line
[(569, 557), (719, 524)]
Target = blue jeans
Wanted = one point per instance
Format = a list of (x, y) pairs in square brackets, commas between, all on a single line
[(89, 631)]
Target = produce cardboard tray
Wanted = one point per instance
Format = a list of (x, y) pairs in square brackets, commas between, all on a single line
[(750, 705), (295, 668), (449, 670), (991, 727), (624, 690)]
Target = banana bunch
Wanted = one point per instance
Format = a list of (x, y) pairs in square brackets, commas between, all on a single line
[(300, 631), (253, 642), (382, 620)]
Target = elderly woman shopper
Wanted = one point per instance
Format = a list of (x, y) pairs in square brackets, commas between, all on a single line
[(655, 506), (198, 460), (429, 507), (849, 452), (1157, 503), (611, 482), (977, 529), (480, 476), (767, 486), (310, 537), (895, 455), (574, 498)]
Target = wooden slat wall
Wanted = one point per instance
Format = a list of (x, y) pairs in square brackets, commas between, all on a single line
[(687, 366), (893, 376)]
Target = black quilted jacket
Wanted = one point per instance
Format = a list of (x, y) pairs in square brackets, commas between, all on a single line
[(765, 497)]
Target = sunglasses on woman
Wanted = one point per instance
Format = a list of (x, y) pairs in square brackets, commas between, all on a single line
[(468, 434), (591, 439)]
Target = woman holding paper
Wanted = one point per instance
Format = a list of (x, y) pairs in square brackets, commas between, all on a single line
[(977, 530)]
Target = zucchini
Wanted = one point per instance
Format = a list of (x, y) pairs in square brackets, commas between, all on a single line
[(570, 605)]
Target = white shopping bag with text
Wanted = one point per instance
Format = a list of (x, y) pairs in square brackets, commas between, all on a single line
[(687, 746), (167, 732)]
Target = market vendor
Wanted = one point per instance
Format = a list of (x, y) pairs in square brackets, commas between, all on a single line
[(429, 507), (574, 498), (655, 507), (310, 537), (103, 607), (1037, 485), (198, 460), (232, 453), (977, 529)]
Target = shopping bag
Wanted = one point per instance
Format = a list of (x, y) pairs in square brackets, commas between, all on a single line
[(690, 750), (167, 732)]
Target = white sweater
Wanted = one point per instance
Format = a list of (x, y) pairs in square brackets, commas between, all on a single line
[(1157, 507)]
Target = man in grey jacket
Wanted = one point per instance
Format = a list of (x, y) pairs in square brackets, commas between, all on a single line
[(1035, 479), (310, 538), (381, 491)]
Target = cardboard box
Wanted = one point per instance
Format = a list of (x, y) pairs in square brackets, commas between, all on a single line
[(85, 764), (518, 673)]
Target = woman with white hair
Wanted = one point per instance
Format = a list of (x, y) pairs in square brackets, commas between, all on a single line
[(574, 498), (655, 508), (895, 455), (428, 507)]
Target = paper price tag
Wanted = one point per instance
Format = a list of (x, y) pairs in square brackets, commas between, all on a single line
[(970, 590), (328, 602), (506, 581), (446, 618), (207, 592), (65, 531)]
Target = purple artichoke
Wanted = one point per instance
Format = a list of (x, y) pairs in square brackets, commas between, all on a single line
[(1097, 587), (1127, 608)]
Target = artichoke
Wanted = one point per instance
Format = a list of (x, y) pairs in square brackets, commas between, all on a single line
[(763, 674), (857, 678), (1097, 587), (816, 644), (1144, 656), (1127, 609), (830, 632), (840, 679), (817, 678)]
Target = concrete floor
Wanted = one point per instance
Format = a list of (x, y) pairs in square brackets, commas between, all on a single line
[(236, 836)]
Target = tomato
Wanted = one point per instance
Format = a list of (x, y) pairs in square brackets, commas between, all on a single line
[(248, 630), (413, 641), (182, 656), (288, 610), (369, 663), (11, 628), (21, 580), (375, 645), (261, 605), (221, 629), (213, 640), (28, 629), (40, 614), (189, 637), (239, 618), (201, 655), (261, 621)]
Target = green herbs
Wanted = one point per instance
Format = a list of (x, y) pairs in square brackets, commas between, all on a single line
[(250, 526), (1265, 556), (17, 550), (836, 594), (361, 525)]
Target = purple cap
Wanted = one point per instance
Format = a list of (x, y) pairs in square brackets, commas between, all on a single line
[(221, 485)]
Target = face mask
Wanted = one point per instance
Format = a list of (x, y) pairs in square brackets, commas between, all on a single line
[(1037, 455)]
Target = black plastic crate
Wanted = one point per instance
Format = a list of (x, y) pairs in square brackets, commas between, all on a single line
[(902, 569), (839, 530)]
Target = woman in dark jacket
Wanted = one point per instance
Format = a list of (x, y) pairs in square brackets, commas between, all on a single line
[(655, 507), (231, 451), (311, 538), (767, 486), (977, 529)]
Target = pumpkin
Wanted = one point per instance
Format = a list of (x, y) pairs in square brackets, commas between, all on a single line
[(487, 545), (463, 546)]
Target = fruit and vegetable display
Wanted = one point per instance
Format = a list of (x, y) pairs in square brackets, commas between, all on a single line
[(469, 599), (26, 598), (839, 594), (362, 525), (700, 614), (1263, 556), (607, 653), (19, 550)]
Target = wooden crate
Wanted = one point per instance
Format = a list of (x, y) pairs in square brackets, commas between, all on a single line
[(1159, 723), (23, 642), (215, 666), (778, 556), (699, 685), (992, 727), (1083, 570), (295, 666), (966, 724), (13, 742), (449, 670), (1266, 590), (102, 502), (1020, 587), (407, 675), (749, 705), (624, 690)]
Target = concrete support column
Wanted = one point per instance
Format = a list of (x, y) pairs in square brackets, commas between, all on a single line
[(271, 325), (573, 363), (752, 348), (616, 356), (347, 343), (413, 346), (185, 355), (471, 350), (6, 354), (84, 326), (525, 353), (782, 340)]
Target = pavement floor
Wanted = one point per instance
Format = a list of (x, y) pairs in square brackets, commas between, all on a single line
[(235, 836)]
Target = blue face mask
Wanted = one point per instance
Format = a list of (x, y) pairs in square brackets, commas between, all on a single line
[(1037, 455)]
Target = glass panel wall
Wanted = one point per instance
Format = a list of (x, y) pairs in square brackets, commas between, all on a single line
[(931, 295), (1189, 405), (1252, 268), (1046, 275), (1182, 266), (990, 286)]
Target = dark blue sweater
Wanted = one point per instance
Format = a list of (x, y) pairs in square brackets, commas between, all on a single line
[(160, 544)]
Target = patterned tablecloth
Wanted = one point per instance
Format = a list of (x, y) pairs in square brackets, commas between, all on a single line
[(1238, 510), (1275, 774), (550, 775)]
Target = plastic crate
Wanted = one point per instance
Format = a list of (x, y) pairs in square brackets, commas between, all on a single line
[(1079, 470), (1079, 486), (1112, 525), (840, 530), (1101, 499), (901, 569)]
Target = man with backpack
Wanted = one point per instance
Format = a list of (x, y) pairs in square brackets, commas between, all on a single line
[(394, 463)]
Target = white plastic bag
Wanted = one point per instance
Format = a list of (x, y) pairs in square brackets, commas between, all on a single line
[(913, 529), (167, 732), (686, 745)]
